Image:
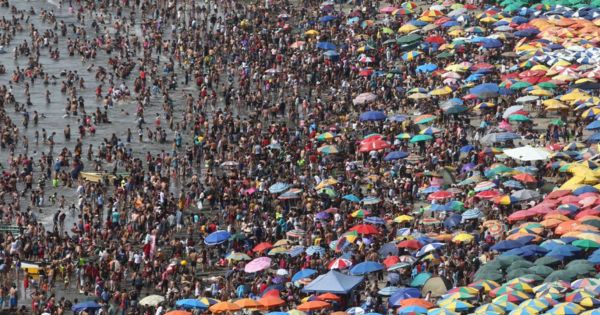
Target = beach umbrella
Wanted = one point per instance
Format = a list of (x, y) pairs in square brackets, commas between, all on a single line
[(326, 46), (485, 90), (311, 250), (420, 138), (313, 306), (152, 300), (372, 116), (257, 264), (395, 155), (365, 229), (190, 304), (566, 308), (420, 279), (217, 237), (278, 188), (223, 307), (208, 301), (302, 274), (489, 308), (339, 263), (366, 267), (364, 98), (411, 55), (86, 306)]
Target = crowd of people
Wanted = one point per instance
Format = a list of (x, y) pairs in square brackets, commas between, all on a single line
[(212, 133)]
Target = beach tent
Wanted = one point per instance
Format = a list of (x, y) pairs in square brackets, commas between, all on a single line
[(333, 282)]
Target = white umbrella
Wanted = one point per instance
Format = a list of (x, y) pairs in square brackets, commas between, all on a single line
[(526, 98), (527, 153), (509, 111), (151, 300)]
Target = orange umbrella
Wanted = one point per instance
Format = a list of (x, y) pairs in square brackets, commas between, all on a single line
[(262, 247), (178, 313), (557, 216), (551, 223), (313, 306), (270, 301), (572, 225), (525, 178), (516, 236), (328, 297), (222, 307), (248, 303), (417, 302)]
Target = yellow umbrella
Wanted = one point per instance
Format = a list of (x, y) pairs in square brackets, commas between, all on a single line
[(327, 182), (441, 91), (456, 68), (553, 102), (488, 19), (574, 95), (403, 218), (463, 238), (418, 96), (456, 33), (311, 33), (540, 92), (564, 78), (407, 28)]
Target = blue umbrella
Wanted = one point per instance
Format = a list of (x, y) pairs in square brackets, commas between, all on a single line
[(595, 138), (278, 188), (438, 207), (485, 90), (395, 155), (491, 43), (584, 189), (311, 250), (472, 214), (326, 46), (331, 54), (528, 32), (352, 198), (474, 77), (403, 294), (372, 116), (513, 184), (191, 304), (302, 274), (374, 220), (217, 237), (295, 251), (455, 109), (535, 248), (366, 267), (83, 306), (506, 245), (352, 20), (370, 200), (449, 24), (327, 18), (505, 136), (398, 118), (452, 221), (430, 189), (552, 244), (388, 291), (388, 249), (467, 148), (428, 67)]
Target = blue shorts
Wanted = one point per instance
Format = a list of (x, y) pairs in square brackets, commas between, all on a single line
[(13, 302)]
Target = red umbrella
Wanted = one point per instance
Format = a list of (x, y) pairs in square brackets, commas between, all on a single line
[(411, 244), (569, 199), (440, 195), (262, 247), (558, 193), (525, 178), (373, 146), (532, 73), (390, 261), (365, 229), (521, 215), (435, 40), (365, 72), (470, 6), (488, 194)]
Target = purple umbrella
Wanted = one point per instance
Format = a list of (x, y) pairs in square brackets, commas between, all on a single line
[(322, 215), (467, 167)]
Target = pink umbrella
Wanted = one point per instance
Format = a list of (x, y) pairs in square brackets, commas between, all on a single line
[(387, 10), (258, 264), (505, 125), (521, 215)]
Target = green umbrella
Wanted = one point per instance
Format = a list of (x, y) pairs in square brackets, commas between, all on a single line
[(494, 276), (420, 138), (564, 275), (327, 191), (519, 264), (547, 261), (557, 122), (547, 85), (389, 42), (586, 244), (407, 39), (592, 222), (387, 30), (541, 270), (512, 7), (420, 279), (445, 54), (518, 117), (578, 262), (517, 273), (506, 261), (520, 85)]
